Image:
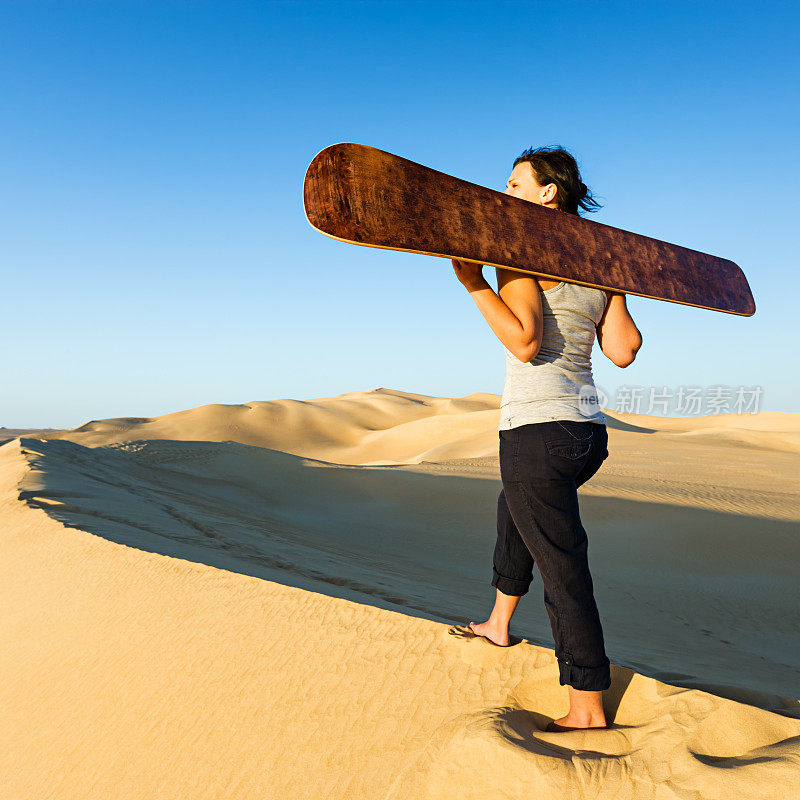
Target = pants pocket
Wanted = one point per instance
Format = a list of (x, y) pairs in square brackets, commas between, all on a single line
[(572, 450)]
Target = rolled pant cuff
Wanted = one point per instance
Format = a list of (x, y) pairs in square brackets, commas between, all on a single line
[(586, 679), (510, 586)]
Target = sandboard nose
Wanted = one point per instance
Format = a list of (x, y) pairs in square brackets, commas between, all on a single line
[(327, 186)]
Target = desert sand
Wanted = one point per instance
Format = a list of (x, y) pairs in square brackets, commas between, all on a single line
[(268, 600)]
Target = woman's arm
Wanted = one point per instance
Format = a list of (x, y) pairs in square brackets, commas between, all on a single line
[(515, 315), (617, 334)]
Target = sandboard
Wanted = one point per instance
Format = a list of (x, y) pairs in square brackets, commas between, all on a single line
[(366, 196)]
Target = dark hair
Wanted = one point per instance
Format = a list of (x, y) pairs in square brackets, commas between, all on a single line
[(556, 165)]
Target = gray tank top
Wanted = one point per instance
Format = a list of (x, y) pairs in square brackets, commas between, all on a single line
[(557, 383)]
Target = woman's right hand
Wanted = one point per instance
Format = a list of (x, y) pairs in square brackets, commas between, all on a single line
[(469, 273)]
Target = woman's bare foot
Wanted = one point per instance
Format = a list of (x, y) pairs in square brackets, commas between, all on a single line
[(498, 634), (572, 722), (495, 629)]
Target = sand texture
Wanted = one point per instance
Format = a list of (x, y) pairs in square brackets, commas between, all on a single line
[(268, 600)]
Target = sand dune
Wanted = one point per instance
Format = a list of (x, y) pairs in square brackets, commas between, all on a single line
[(207, 603), (384, 426)]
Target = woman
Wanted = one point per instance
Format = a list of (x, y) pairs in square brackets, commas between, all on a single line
[(552, 437)]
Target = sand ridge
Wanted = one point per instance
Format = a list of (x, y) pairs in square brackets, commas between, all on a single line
[(265, 599)]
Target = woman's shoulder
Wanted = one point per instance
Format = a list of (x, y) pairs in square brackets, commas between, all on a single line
[(545, 284)]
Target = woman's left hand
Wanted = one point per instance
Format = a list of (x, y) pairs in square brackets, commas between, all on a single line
[(469, 273)]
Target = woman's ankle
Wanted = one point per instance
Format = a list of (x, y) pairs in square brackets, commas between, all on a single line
[(499, 623), (586, 707)]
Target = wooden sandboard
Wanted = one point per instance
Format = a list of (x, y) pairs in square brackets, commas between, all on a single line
[(366, 196)]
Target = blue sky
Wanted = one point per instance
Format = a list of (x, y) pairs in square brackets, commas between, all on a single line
[(155, 253)]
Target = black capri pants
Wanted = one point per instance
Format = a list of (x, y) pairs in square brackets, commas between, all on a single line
[(542, 464)]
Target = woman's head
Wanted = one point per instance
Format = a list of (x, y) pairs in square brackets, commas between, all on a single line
[(550, 177)]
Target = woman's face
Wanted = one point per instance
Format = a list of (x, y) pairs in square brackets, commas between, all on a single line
[(522, 183)]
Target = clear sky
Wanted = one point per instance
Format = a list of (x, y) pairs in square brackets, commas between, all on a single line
[(155, 253)]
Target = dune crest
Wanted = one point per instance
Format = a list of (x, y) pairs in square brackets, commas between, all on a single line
[(388, 426)]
